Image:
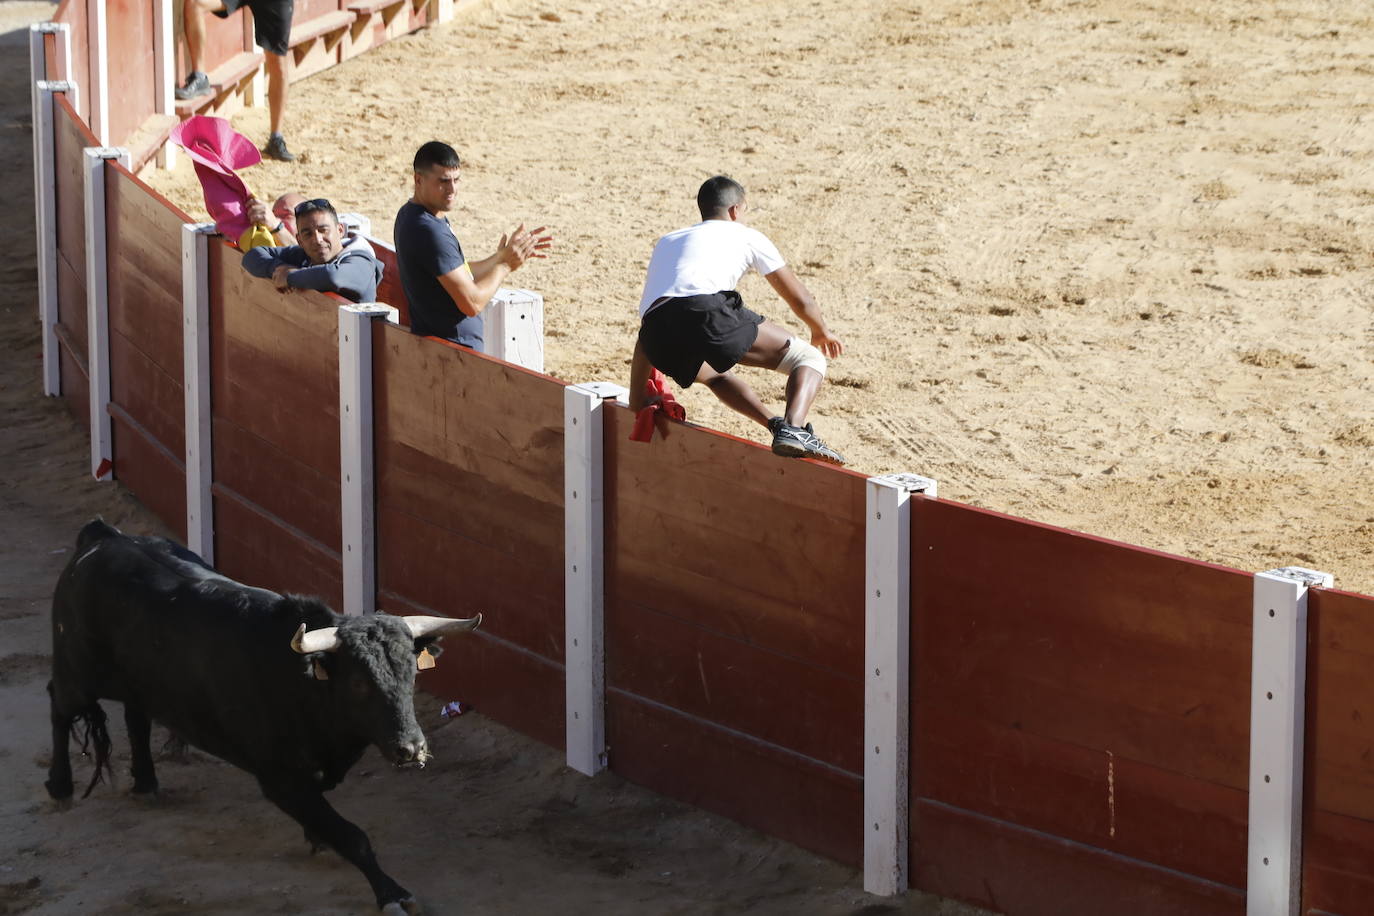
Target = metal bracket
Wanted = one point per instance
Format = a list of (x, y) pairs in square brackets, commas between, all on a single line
[(607, 391), (1310, 577), (911, 483)]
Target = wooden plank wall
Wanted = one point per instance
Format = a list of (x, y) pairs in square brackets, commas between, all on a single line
[(470, 518), (146, 326), (1080, 707), (133, 99), (734, 632), (71, 136), (390, 290), (73, 13), (1338, 845), (274, 368)]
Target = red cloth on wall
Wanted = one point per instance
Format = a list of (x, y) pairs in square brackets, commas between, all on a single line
[(658, 400)]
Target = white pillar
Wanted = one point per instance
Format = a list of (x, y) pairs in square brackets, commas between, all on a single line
[(100, 73), (195, 386), (584, 572), (441, 11), (356, 482), (513, 328), (45, 206), (1278, 694), (164, 73), (98, 306), (887, 678)]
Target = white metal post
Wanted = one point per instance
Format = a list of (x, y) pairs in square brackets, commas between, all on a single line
[(358, 509), (1278, 696), (195, 386), (98, 306), (514, 328), (164, 73), (584, 572), (887, 670), (45, 206), (100, 73)]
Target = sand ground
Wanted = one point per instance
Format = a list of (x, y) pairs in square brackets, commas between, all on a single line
[(1106, 264)]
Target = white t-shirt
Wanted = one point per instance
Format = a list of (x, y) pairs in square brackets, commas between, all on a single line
[(709, 257)]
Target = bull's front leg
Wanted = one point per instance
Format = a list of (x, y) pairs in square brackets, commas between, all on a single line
[(308, 807)]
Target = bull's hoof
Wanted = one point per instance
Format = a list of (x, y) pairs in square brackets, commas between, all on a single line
[(145, 786), (59, 789), (408, 906)]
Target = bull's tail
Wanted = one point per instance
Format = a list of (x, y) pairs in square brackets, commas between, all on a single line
[(98, 735)]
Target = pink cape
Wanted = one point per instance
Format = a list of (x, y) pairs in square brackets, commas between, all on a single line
[(217, 150)]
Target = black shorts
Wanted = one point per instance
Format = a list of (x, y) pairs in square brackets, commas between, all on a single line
[(271, 22), (680, 334)]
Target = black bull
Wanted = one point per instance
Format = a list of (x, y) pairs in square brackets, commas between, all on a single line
[(278, 685)]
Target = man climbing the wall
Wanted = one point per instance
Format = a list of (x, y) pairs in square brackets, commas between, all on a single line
[(694, 326)]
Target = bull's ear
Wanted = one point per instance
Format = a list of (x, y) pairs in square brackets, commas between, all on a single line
[(318, 667)]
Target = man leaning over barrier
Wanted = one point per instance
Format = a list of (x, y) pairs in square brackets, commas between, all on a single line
[(447, 293), (695, 328), (271, 30), (324, 258)]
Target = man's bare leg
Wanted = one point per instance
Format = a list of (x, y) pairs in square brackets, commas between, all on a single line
[(193, 14), (734, 393), (770, 346), (276, 89)]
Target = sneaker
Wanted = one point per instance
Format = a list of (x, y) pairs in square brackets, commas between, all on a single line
[(197, 84), (800, 442), (276, 149)]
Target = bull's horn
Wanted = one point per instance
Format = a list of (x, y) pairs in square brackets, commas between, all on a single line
[(435, 627), (325, 639)]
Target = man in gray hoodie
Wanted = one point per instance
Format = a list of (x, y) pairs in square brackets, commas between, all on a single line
[(324, 258)]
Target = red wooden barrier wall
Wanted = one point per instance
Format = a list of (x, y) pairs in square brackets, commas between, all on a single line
[(148, 407), (71, 136), (389, 290), (470, 518), (73, 13), (133, 99), (274, 370), (1080, 713), (1338, 843), (734, 632)]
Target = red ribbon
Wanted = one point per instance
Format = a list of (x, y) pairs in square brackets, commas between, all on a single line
[(657, 399)]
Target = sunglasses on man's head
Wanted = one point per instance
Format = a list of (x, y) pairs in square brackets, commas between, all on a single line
[(310, 206)]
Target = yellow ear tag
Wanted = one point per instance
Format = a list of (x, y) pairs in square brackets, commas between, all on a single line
[(424, 661), (320, 673)]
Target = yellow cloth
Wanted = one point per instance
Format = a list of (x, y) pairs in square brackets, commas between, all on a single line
[(256, 236)]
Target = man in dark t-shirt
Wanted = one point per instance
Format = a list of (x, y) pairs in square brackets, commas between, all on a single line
[(447, 293)]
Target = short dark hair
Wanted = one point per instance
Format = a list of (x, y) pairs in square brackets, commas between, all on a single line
[(436, 152), (318, 204), (718, 194)]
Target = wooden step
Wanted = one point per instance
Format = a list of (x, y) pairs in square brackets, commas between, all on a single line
[(311, 29)]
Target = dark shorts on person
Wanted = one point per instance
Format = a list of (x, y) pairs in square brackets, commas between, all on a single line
[(680, 334), (271, 22)]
